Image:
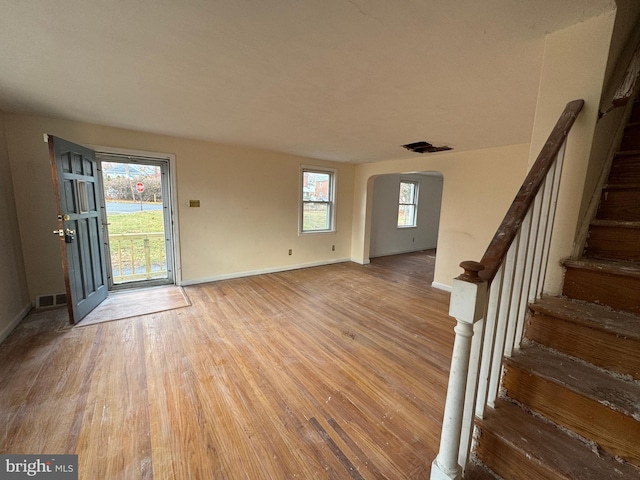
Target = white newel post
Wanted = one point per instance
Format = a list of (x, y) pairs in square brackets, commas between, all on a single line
[(467, 306)]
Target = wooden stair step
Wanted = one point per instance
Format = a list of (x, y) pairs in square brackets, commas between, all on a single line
[(596, 334), (580, 397), (612, 239), (606, 282), (475, 471), (625, 168), (631, 137), (517, 445), (635, 113), (612, 186), (620, 202)]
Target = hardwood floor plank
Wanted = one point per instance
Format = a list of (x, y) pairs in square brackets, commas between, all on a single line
[(114, 439), (329, 372)]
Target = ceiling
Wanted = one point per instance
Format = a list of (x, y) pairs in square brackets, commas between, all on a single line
[(347, 80)]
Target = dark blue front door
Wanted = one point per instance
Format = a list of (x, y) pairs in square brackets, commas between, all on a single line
[(75, 177)]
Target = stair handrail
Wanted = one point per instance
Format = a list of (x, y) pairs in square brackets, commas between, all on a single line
[(489, 300), (501, 241)]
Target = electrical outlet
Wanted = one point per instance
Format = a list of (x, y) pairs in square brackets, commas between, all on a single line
[(194, 203), (333, 248), (290, 252)]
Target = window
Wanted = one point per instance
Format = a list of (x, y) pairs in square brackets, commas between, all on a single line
[(318, 203), (408, 204)]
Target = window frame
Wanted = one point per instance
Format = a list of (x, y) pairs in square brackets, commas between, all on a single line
[(414, 203), (330, 202)]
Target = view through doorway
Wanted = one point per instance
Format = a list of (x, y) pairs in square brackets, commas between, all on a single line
[(137, 218)]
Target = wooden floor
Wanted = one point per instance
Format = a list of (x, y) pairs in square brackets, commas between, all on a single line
[(329, 372)]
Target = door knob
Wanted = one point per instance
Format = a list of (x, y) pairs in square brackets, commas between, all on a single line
[(61, 232)]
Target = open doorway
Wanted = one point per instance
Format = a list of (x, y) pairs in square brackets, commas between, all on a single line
[(138, 221), (405, 214)]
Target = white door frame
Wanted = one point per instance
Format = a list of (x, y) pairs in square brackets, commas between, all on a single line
[(173, 194)]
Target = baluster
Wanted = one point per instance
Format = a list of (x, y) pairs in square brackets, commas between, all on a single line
[(501, 326), (533, 244), (147, 257), (557, 171), (495, 291), (120, 256), (525, 251), (133, 260), (512, 317), (543, 227)]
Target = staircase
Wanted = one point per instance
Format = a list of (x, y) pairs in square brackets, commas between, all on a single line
[(570, 403)]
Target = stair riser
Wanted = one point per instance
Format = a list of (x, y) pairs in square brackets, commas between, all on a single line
[(622, 205), (599, 347), (510, 462), (615, 291), (625, 170), (635, 114), (614, 243), (615, 432), (631, 138)]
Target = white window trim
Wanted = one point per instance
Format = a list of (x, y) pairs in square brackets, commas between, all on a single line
[(415, 204), (332, 193)]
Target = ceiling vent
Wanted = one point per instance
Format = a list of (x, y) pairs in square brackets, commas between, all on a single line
[(425, 147)]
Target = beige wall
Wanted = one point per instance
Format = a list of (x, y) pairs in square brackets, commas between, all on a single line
[(247, 222), (574, 66), (14, 297), (478, 189)]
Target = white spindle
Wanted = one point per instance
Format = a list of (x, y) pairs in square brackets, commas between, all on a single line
[(516, 291), (557, 173), (525, 235), (489, 342), (533, 247), (501, 329)]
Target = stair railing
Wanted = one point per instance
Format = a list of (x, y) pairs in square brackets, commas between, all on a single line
[(489, 300)]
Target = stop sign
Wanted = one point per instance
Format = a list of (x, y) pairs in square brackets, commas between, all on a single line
[(140, 187)]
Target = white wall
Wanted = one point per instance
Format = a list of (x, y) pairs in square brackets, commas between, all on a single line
[(386, 237), (247, 221), (14, 298)]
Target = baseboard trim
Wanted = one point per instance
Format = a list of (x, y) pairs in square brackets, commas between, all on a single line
[(401, 252), (251, 273), (6, 331), (441, 286)]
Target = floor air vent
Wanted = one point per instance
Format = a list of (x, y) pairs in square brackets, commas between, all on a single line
[(45, 301)]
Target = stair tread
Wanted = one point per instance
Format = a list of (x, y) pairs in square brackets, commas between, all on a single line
[(620, 186), (478, 472), (584, 379), (627, 153), (615, 223), (544, 443), (628, 269), (591, 314)]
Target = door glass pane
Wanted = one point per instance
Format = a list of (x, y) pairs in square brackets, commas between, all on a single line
[(136, 224)]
